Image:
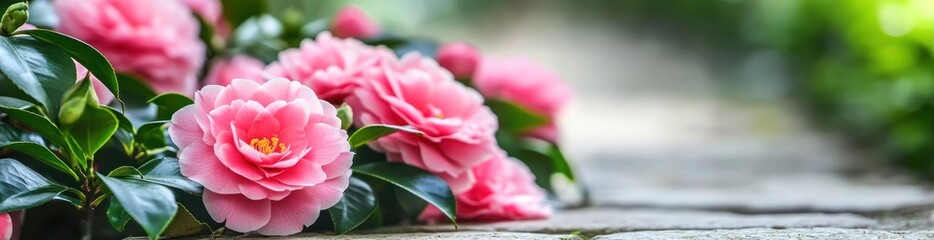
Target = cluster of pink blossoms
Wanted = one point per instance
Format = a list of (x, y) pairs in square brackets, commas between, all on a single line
[(265, 141)]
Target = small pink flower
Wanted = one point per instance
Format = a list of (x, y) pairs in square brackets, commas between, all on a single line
[(156, 40), (527, 84), (459, 58), (352, 22), (6, 226), (271, 156), (416, 92), (505, 190), (331, 66), (225, 70)]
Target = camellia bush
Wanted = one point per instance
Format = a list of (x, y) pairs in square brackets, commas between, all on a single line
[(134, 105)]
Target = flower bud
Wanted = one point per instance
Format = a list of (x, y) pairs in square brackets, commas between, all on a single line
[(14, 17), (459, 58)]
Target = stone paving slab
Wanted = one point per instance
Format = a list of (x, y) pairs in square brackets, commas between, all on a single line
[(596, 221), (766, 234), (792, 193)]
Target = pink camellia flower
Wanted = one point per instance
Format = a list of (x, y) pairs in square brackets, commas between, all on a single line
[(527, 84), (416, 92), (505, 190), (270, 156), (156, 40), (332, 67), (352, 22), (458, 57), (6, 226), (225, 70)]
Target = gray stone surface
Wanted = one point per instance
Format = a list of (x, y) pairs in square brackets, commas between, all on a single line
[(791, 193), (767, 234), (595, 221), (444, 235)]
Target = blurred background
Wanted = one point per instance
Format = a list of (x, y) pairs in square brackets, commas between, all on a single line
[(757, 106), (686, 98)]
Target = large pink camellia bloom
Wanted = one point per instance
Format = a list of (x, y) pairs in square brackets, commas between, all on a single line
[(156, 40), (527, 84), (505, 190), (331, 66), (352, 22), (6, 226), (415, 91), (225, 70), (270, 156)]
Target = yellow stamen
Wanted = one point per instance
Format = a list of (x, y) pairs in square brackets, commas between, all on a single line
[(267, 146)]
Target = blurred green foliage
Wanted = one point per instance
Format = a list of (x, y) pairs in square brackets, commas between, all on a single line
[(865, 68)]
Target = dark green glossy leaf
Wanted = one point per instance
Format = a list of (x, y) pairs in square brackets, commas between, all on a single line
[(418, 182), (42, 154), (358, 204), (116, 215), (41, 70), (151, 205), (185, 224), (135, 94), (238, 11), (89, 57), (168, 104), (515, 118), (151, 135), (369, 133), (37, 123), (22, 188), (31, 198), (165, 171), (93, 129), (11, 134), (14, 103)]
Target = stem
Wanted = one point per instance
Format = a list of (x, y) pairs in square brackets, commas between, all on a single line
[(88, 208)]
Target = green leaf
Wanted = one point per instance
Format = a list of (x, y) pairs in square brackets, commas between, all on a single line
[(124, 122), (135, 93), (42, 154), (418, 182), (369, 133), (41, 70), (168, 104), (116, 215), (37, 123), (358, 204), (165, 171), (185, 224), (151, 135), (515, 118), (238, 11), (151, 205), (93, 129), (14, 103), (82, 52), (345, 114), (22, 188), (11, 134)]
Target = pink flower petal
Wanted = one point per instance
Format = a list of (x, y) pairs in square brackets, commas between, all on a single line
[(240, 213)]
